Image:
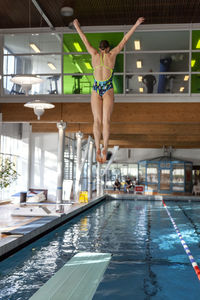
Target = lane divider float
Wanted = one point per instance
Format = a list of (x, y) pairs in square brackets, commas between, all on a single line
[(186, 248)]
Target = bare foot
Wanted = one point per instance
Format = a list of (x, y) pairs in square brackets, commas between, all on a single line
[(104, 152), (98, 156)]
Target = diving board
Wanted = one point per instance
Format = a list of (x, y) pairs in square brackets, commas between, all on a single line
[(77, 279)]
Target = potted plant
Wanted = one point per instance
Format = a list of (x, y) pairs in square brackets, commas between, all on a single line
[(8, 172)]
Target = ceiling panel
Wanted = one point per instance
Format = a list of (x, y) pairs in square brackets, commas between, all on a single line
[(23, 13)]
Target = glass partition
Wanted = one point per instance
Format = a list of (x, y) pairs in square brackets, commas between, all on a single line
[(157, 84), (178, 173), (152, 173), (142, 173), (165, 179), (160, 40), (73, 43), (32, 64), (33, 43), (160, 65), (82, 84), (51, 84), (195, 39), (157, 62)]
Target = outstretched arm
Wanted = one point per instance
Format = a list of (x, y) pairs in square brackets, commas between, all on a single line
[(89, 48), (127, 36)]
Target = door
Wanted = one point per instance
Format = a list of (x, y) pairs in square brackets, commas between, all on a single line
[(165, 180)]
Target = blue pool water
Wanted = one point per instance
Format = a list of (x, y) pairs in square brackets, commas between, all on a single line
[(148, 259)]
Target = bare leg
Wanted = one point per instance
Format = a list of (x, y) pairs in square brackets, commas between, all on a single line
[(97, 107), (108, 101)]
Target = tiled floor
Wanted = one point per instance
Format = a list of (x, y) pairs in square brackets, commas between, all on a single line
[(9, 222)]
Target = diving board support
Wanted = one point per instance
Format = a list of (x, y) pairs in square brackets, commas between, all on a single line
[(80, 164), (77, 279), (115, 149)]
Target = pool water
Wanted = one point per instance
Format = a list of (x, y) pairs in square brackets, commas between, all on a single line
[(148, 260)]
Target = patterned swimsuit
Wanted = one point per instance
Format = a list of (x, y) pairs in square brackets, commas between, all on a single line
[(101, 87)]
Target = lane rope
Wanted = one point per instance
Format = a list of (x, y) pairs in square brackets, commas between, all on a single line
[(186, 248)]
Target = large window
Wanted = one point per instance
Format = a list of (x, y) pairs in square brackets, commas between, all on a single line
[(152, 62)]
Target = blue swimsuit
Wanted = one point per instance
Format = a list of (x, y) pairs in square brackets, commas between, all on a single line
[(101, 87)]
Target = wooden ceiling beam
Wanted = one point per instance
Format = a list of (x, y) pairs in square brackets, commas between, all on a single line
[(126, 128), (129, 112), (176, 145)]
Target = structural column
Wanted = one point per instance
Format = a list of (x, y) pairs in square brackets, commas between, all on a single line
[(79, 137), (90, 161), (60, 166), (98, 179)]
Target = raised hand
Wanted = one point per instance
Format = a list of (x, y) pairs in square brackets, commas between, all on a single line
[(76, 23), (139, 21)]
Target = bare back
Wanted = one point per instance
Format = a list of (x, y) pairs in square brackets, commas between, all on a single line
[(103, 72)]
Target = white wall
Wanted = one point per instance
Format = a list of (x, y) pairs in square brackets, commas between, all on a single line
[(137, 154), (15, 145), (44, 148)]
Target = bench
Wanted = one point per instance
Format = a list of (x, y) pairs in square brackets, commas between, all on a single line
[(77, 279)]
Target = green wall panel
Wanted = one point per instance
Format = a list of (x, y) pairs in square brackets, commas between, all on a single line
[(81, 63), (195, 83), (195, 39)]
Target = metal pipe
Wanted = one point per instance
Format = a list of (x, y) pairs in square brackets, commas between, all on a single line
[(98, 179), (43, 14), (90, 160), (60, 166), (79, 137)]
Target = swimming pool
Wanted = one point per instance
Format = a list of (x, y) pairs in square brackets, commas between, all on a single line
[(148, 259)]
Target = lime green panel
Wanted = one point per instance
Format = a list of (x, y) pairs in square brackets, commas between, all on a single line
[(77, 63), (77, 84), (195, 84), (82, 84), (119, 64), (81, 63), (195, 62), (196, 40), (118, 84), (94, 38)]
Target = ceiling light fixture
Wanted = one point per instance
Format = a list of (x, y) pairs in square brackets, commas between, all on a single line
[(88, 65), (141, 90), (35, 48), (186, 77), (77, 47), (139, 64), (137, 45), (140, 78), (26, 81), (198, 44), (66, 11), (51, 66), (39, 107), (181, 89), (193, 61)]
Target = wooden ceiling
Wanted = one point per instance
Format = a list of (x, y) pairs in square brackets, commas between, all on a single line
[(134, 125), (23, 13)]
